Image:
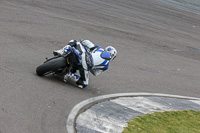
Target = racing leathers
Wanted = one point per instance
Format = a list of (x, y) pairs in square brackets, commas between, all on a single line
[(89, 57)]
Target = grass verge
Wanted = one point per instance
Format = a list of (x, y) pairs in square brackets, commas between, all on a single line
[(187, 121)]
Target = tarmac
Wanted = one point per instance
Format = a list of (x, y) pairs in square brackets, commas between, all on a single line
[(157, 44), (110, 113)]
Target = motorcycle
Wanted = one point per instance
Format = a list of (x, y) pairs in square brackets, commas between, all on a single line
[(59, 64)]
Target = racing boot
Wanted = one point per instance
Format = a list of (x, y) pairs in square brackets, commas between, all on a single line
[(73, 77)]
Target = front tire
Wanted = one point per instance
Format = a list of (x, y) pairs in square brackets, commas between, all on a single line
[(51, 66)]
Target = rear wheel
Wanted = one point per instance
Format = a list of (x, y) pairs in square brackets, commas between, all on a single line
[(51, 66)]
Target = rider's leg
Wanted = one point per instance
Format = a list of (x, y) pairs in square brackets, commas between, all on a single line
[(81, 81), (84, 78)]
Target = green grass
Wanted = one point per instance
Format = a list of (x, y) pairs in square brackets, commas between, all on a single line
[(166, 122)]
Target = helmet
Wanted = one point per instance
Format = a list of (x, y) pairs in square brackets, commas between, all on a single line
[(112, 51)]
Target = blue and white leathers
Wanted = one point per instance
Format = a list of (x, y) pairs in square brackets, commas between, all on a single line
[(93, 58), (101, 58)]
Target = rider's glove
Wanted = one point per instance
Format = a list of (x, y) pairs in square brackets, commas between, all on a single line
[(72, 43)]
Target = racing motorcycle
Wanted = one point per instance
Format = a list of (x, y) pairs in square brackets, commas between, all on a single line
[(59, 64)]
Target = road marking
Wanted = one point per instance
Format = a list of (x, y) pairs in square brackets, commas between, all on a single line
[(99, 122), (195, 101), (141, 104)]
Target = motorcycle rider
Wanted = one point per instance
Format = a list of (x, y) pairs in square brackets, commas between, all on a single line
[(86, 57)]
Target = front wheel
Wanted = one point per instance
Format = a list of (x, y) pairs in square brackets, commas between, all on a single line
[(51, 66)]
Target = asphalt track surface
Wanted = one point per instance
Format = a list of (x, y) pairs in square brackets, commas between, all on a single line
[(158, 52)]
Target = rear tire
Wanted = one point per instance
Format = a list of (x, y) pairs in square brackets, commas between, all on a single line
[(51, 66)]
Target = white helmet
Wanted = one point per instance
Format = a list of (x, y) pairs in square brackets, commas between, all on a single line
[(112, 51)]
